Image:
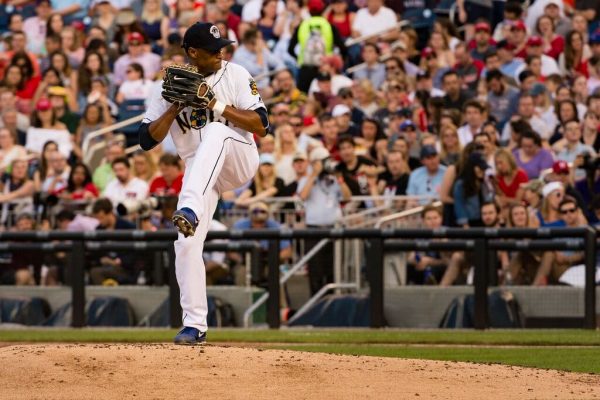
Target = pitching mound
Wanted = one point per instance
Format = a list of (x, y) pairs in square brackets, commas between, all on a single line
[(159, 371)]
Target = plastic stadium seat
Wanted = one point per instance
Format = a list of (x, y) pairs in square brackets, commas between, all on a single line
[(129, 109)]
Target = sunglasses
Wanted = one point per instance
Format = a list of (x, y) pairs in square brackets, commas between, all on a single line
[(258, 212), (568, 211)]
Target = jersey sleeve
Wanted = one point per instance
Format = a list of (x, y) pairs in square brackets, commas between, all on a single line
[(155, 106), (247, 96)]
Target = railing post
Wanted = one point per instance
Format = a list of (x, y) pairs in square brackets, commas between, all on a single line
[(255, 270), (273, 316), (590, 278), (78, 284), (481, 283), (375, 275), (174, 305)]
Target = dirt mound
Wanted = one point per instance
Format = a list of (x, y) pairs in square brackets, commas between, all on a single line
[(159, 371)]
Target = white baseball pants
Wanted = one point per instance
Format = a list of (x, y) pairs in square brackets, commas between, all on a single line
[(224, 160)]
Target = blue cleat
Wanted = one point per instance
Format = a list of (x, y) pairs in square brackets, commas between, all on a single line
[(190, 336), (186, 221)]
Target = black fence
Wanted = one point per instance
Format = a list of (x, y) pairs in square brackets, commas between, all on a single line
[(483, 242)]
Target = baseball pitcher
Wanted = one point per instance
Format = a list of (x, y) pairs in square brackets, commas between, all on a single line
[(209, 107)]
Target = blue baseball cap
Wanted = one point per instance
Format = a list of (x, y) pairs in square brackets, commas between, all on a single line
[(595, 37)]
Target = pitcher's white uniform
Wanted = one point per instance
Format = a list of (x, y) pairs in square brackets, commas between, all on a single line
[(218, 157)]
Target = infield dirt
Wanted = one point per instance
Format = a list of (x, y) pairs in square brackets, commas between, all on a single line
[(164, 371)]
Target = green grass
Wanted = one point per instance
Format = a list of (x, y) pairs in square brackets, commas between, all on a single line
[(319, 336), (565, 359)]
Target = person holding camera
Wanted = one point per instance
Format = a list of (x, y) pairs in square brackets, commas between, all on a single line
[(568, 148), (322, 192)]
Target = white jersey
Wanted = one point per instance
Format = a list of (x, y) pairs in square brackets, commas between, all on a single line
[(233, 86)]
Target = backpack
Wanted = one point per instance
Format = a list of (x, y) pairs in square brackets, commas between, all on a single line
[(503, 311), (220, 313), (314, 49)]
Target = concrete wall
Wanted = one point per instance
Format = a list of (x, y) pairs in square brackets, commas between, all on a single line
[(424, 306), (143, 299)]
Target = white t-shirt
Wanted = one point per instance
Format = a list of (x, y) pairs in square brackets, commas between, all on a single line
[(367, 23), (337, 82), (251, 10), (136, 90), (135, 189), (232, 85)]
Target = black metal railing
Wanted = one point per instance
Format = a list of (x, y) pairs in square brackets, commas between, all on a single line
[(483, 242)]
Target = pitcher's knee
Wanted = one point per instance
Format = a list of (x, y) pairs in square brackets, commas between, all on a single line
[(215, 128)]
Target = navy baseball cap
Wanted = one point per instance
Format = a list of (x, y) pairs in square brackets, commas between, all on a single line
[(205, 36), (428, 151), (595, 37), (407, 124)]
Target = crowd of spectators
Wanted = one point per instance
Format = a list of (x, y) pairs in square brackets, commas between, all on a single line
[(494, 111)]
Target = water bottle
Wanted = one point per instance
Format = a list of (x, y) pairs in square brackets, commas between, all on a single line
[(141, 278)]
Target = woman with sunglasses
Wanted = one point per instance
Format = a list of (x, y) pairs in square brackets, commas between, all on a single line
[(548, 215)]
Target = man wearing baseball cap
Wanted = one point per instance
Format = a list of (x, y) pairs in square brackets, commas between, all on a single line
[(561, 172), (518, 38), (138, 53), (482, 44), (426, 180)]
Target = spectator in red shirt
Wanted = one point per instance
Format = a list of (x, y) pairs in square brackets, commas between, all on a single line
[(509, 179), (553, 44), (79, 185), (233, 20), (171, 179)]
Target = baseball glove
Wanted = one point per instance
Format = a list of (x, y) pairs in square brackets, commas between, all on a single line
[(183, 84)]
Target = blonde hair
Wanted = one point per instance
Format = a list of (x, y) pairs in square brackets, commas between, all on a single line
[(262, 183), (154, 16), (508, 157), (278, 150), (444, 151), (152, 167)]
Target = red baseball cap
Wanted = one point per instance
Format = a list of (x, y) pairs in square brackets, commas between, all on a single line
[(43, 105), (520, 25), (426, 52), (482, 26), (535, 41), (135, 37), (560, 167), (315, 6)]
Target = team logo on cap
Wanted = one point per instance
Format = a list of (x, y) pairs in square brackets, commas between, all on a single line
[(215, 32)]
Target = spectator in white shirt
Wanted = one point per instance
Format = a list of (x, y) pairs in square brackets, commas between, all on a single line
[(474, 117), (136, 87), (373, 19), (59, 176), (124, 185)]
